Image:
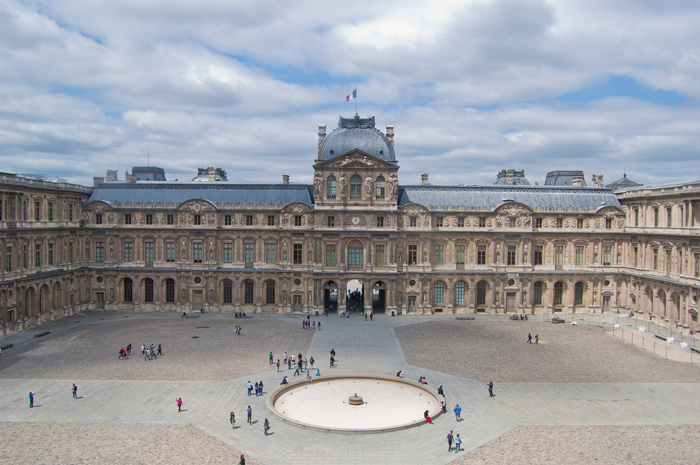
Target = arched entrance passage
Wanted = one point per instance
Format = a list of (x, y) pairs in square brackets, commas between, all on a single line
[(330, 296), (379, 297), (354, 296)]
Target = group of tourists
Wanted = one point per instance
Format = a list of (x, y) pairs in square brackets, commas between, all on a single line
[(149, 353), (307, 324), (124, 352), (258, 387), (240, 315), (529, 338), (516, 317)]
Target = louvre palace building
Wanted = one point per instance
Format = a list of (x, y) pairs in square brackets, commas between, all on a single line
[(147, 244)]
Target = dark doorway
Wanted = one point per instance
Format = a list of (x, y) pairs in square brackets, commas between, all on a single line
[(330, 300), (378, 300), (355, 297)]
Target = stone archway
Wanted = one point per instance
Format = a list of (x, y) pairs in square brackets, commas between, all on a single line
[(330, 296), (354, 296), (379, 297)]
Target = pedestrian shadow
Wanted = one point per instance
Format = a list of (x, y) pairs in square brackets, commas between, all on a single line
[(253, 422), (79, 397), (183, 410), (37, 406), (270, 434)]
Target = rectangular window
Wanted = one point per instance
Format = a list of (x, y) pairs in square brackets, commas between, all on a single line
[(99, 251), (697, 265), (539, 252), (70, 252), (460, 222), (270, 220), (559, 257), (636, 216), (197, 252), (656, 217), (481, 255), (249, 220), (149, 219), (128, 251), (170, 219), (8, 258), (149, 252), (270, 292), (439, 254), (412, 221), (127, 218), (482, 222), (460, 254), (579, 223), (50, 257), (656, 259), (579, 255), (511, 254), (297, 220), (538, 223), (330, 255), (439, 291), (439, 221), (331, 221), (70, 212), (668, 259), (298, 254), (37, 255), (480, 295), (560, 223), (636, 257), (608, 223), (98, 218), (380, 221), (249, 254), (412, 254), (511, 222), (669, 217), (270, 253), (228, 252), (227, 220), (37, 211), (50, 211), (459, 293), (607, 255), (197, 220), (379, 255), (170, 252)]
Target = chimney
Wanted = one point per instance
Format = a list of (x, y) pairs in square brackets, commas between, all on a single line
[(577, 181), (285, 179), (211, 172), (424, 178), (390, 133), (97, 180), (321, 136)]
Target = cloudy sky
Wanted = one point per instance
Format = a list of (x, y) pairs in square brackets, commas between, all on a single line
[(472, 87)]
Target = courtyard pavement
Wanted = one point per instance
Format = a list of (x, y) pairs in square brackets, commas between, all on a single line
[(361, 347)]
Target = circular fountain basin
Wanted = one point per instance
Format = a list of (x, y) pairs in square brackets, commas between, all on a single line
[(388, 403)]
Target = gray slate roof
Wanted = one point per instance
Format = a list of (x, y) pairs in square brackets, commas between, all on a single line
[(171, 194), (357, 133), (488, 198)]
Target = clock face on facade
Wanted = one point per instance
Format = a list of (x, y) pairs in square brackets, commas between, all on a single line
[(355, 221)]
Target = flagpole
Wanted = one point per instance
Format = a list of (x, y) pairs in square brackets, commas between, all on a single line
[(356, 100)]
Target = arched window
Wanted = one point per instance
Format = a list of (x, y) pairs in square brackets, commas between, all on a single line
[(330, 187), (355, 255), (128, 290), (148, 290), (248, 284), (380, 187), (537, 294), (228, 291), (270, 291), (481, 293), (170, 290), (558, 293), (662, 301), (355, 187), (438, 293), (578, 293), (459, 293)]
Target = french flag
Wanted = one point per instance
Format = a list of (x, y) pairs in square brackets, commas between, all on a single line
[(351, 96)]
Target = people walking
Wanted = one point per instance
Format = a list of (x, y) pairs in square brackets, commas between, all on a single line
[(232, 419), (242, 461), (278, 365), (266, 426), (160, 349), (179, 404), (312, 361), (250, 388), (537, 338), (332, 361), (250, 415), (260, 386), (490, 385), (458, 443), (31, 399), (449, 439), (529, 338), (74, 389), (458, 412), (271, 358)]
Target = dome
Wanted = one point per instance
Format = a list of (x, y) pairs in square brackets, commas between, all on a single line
[(357, 133), (210, 174)]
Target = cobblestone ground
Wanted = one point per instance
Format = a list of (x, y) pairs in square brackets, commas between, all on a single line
[(91, 351), (29, 443), (613, 445), (498, 352)]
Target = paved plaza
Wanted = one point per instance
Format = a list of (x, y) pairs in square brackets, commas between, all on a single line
[(578, 396)]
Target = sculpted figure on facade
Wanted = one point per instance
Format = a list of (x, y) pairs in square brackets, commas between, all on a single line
[(393, 186), (318, 182), (368, 187), (342, 183)]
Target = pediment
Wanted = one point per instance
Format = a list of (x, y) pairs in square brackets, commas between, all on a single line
[(197, 205), (513, 209), (355, 159), (97, 206), (297, 207)]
